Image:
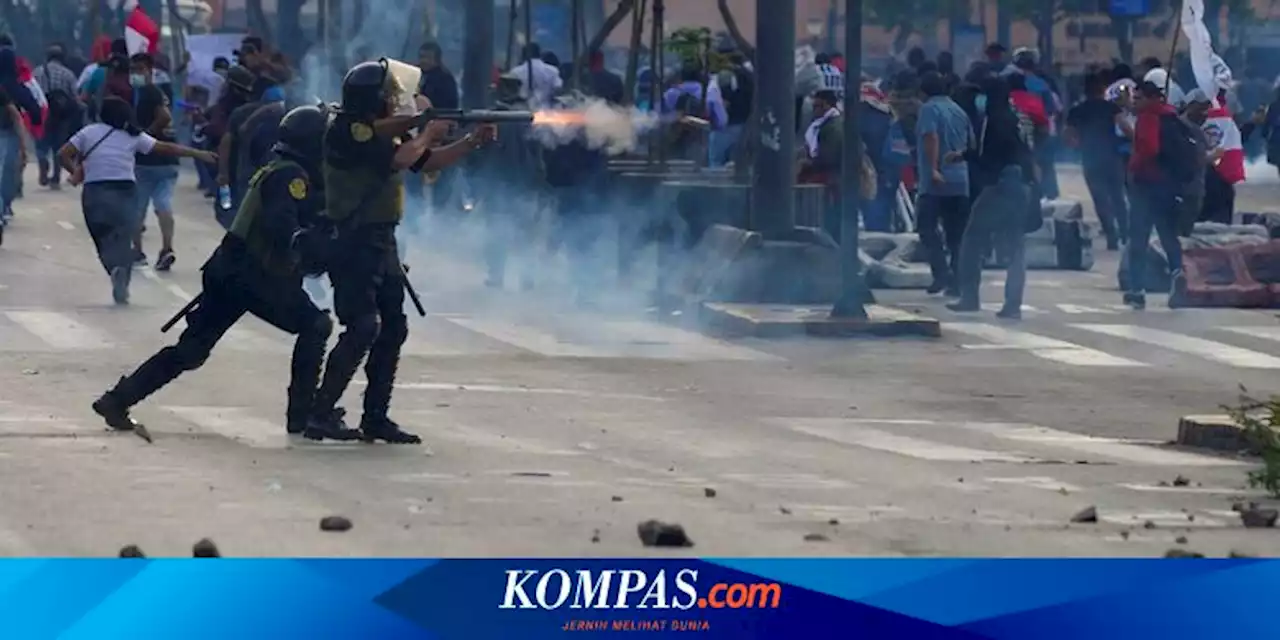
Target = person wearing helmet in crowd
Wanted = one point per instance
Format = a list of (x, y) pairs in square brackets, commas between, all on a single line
[(255, 270), (362, 157)]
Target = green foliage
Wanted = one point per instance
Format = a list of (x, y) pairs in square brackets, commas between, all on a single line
[(692, 44), (1260, 420)]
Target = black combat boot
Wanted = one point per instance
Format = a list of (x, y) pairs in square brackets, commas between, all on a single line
[(115, 410), (373, 429), (330, 426)]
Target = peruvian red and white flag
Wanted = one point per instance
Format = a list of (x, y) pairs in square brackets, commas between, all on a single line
[(1212, 77), (141, 33)]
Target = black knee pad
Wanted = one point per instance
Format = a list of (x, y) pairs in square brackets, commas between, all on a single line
[(364, 330), (395, 330)]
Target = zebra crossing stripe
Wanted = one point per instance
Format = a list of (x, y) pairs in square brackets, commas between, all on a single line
[(1136, 452), (236, 423), (59, 330), (1264, 333), (1208, 349), (1039, 346), (908, 446)]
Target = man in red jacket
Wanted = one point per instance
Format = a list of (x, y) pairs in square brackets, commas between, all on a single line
[(1153, 196)]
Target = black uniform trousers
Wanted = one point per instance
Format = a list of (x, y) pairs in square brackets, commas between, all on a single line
[(233, 286), (368, 297)]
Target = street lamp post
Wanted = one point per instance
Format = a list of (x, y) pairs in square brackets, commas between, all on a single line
[(773, 191), (854, 294), (477, 62)]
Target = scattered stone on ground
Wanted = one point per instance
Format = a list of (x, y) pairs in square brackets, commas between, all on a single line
[(1182, 553), (816, 537), (1181, 481), (1180, 540), (1087, 516), (616, 498), (131, 551), (709, 492), (1148, 525), (205, 548), (1240, 554), (335, 523), (1255, 518), (833, 522), (784, 511), (1124, 535), (654, 533), (595, 536)]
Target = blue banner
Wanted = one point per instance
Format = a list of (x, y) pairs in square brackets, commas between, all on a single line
[(746, 598), (1131, 8)]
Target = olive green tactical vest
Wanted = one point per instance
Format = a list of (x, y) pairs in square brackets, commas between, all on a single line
[(246, 225), (377, 192)]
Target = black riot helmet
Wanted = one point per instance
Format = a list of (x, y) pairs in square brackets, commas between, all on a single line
[(302, 134), (367, 89)]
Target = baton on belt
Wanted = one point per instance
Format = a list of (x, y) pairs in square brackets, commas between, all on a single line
[(413, 293), (182, 313)]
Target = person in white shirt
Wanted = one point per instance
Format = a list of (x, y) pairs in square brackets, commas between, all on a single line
[(101, 157), (546, 80)]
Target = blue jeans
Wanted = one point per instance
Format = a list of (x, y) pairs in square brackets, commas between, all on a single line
[(1152, 205), (720, 147), (10, 170), (998, 216)]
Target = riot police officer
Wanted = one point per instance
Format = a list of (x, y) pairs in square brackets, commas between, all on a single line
[(255, 270), (363, 157)]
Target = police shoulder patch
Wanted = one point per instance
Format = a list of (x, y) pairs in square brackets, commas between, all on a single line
[(298, 189), (361, 132)]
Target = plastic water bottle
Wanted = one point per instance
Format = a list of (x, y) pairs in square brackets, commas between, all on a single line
[(224, 198)]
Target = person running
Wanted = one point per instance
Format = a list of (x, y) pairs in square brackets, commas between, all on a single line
[(101, 156)]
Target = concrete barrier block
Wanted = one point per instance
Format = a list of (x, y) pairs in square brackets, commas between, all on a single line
[(708, 272), (1216, 432), (1219, 277)]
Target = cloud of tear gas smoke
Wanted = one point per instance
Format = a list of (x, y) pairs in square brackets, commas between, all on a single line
[(616, 130)]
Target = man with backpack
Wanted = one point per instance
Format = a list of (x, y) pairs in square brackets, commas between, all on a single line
[(64, 115), (1165, 157)]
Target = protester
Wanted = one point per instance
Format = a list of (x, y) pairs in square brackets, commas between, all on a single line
[(1154, 192), (102, 157), (156, 175), (737, 86), (13, 155), (64, 114), (1098, 127), (999, 214), (943, 128), (546, 80)]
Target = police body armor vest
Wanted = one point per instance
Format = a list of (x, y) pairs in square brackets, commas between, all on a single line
[(359, 194), (274, 259)]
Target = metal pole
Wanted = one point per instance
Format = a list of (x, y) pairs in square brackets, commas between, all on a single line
[(575, 47), (773, 194), (477, 60), (528, 40), (854, 294)]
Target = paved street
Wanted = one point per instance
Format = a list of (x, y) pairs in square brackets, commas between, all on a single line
[(554, 431)]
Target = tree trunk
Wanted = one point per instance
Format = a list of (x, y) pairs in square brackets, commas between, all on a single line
[(619, 14), (1122, 26), (290, 39), (633, 56), (731, 25), (257, 18)]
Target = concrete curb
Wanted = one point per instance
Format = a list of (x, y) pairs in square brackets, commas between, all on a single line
[(1215, 432), (775, 321)]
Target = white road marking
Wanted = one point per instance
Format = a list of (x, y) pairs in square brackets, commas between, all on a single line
[(236, 424), (526, 338), (1035, 482), (1264, 333), (485, 439), (787, 480), (59, 330), (66, 225), (1079, 309), (1172, 519), (1039, 346), (1130, 451), (1155, 488), (675, 343), (996, 306), (1208, 349), (178, 292), (836, 431), (462, 387)]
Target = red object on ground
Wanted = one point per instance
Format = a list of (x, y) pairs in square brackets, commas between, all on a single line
[(1220, 277)]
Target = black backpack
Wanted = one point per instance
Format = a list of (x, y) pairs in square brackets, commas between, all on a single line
[(1180, 149), (62, 104)]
